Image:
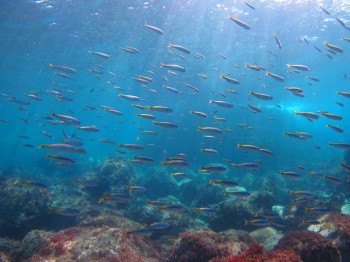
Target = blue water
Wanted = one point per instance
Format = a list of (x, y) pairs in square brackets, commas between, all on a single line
[(36, 33)]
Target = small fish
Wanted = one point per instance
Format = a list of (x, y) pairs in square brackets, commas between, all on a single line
[(212, 169), (340, 145), (342, 23), (207, 210), (136, 188), (210, 130), (248, 4), (142, 231), (302, 193), (154, 29), (130, 97), (69, 120), (240, 23), (158, 225), (66, 69), (346, 94), (345, 167), (165, 124), (62, 75), (277, 40), (257, 222), (335, 128), (88, 128), (308, 115), (178, 163), (229, 79), (300, 67), (180, 48), (134, 147), (221, 103), (173, 67), (61, 158), (238, 193), (324, 10), (250, 166), (173, 207), (320, 210), (333, 47), (290, 174), (225, 183), (69, 212), (103, 55), (201, 114), (209, 151), (261, 96), (275, 76), (334, 180)]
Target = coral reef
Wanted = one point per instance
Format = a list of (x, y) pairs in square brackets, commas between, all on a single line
[(267, 237), (97, 244), (22, 208), (233, 213), (337, 228), (202, 246), (309, 246)]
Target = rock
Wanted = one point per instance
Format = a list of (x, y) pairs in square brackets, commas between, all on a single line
[(267, 237), (310, 246), (23, 208), (97, 244), (345, 209), (336, 227), (202, 246)]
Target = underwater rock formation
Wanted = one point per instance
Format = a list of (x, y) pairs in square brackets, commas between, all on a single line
[(202, 246), (347, 157), (232, 214), (256, 252), (23, 208), (336, 227), (267, 237), (310, 246), (113, 175), (97, 244)]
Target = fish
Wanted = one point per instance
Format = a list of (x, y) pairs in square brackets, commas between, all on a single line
[(334, 180), (147, 116), (248, 4), (62, 75), (58, 147), (212, 169), (154, 29), (302, 193), (320, 210), (345, 167), (198, 113), (331, 116), (225, 183), (248, 147), (250, 166), (158, 225), (229, 79), (277, 40), (261, 96), (257, 222), (130, 50), (313, 78), (179, 163), (240, 23), (275, 76), (207, 210), (173, 67), (254, 108), (346, 94), (61, 158), (335, 128), (253, 67), (290, 174), (237, 193), (333, 47), (180, 48), (69, 120), (300, 67), (210, 130), (165, 124), (135, 188), (65, 69), (172, 207), (308, 115), (88, 128), (325, 11), (100, 54), (209, 151), (69, 212), (133, 147), (342, 23), (130, 97), (163, 109), (221, 103), (341, 145)]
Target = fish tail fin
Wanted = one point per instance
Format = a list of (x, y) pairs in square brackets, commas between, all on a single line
[(163, 163), (295, 112), (198, 128), (196, 209), (221, 75), (202, 149), (327, 125), (146, 23), (50, 210), (250, 92), (200, 169), (234, 165), (238, 146), (90, 52), (148, 107), (246, 222), (51, 65), (210, 101), (267, 73), (101, 200), (288, 65), (290, 192), (211, 182), (46, 155), (40, 146), (161, 65)]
